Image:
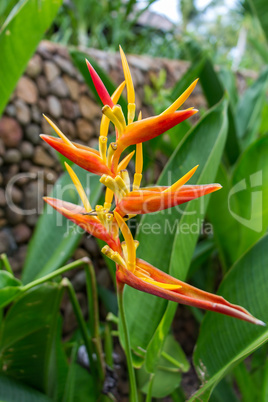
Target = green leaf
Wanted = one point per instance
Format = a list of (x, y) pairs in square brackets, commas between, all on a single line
[(10, 287), (161, 242), (56, 237), (19, 37), (260, 8), (167, 376), (27, 335), (214, 91), (249, 110), (14, 391), (224, 341), (239, 212)]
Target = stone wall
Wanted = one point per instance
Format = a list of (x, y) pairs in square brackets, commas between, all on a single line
[(52, 85)]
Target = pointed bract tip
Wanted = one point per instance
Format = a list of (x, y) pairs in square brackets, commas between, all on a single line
[(259, 322)]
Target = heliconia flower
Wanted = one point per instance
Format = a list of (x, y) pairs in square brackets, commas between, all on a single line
[(89, 223), (148, 200), (149, 279), (85, 157), (143, 276)]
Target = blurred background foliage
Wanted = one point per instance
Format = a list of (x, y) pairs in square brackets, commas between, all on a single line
[(228, 30)]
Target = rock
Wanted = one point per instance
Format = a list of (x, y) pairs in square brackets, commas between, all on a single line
[(91, 246), (103, 278), (21, 233), (73, 87), (12, 171), (42, 104), (27, 150), (88, 108), (25, 166), (59, 88), (27, 90), (14, 215), (42, 85), (2, 147), (65, 65), (12, 156), (69, 323), (2, 197), (42, 158), (10, 132), (68, 109), (80, 253), (32, 133), (13, 195), (68, 128), (34, 67), (51, 70), (50, 176), (18, 258), (23, 113), (33, 201), (36, 114), (7, 243), (54, 106), (1, 179), (10, 110), (45, 48), (84, 129), (79, 281)]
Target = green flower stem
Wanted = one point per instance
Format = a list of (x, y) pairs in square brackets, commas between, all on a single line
[(81, 322), (56, 273), (150, 388), (5, 262), (93, 309), (131, 373)]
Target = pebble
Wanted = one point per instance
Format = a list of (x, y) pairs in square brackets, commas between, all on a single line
[(27, 150), (14, 196), (36, 114), (10, 132), (10, 110), (14, 215), (6, 241), (68, 109), (91, 246), (51, 70), (54, 106), (32, 133), (73, 87), (42, 158), (21, 233), (42, 85), (59, 88), (88, 108), (34, 67), (85, 130), (23, 113), (33, 201), (27, 90), (12, 156), (65, 65), (2, 197)]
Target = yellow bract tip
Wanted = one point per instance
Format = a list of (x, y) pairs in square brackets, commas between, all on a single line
[(181, 99), (182, 180), (131, 248), (79, 188), (59, 132)]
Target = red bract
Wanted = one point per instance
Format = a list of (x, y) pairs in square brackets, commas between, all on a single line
[(149, 279), (85, 157)]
